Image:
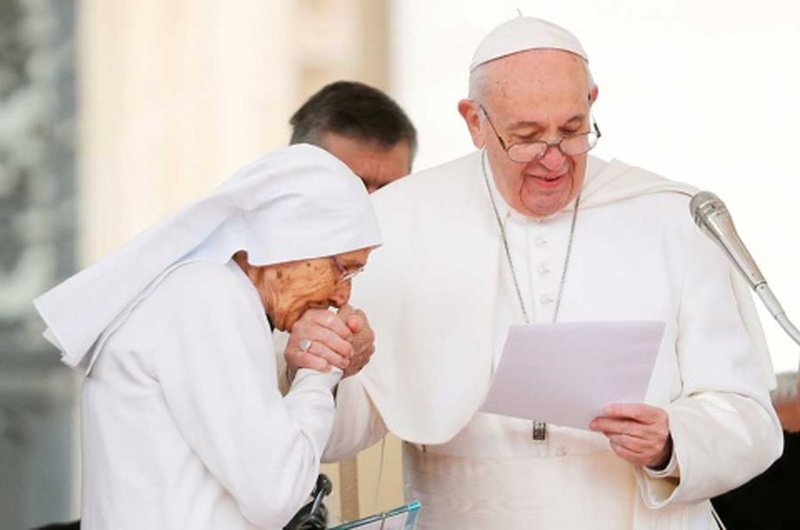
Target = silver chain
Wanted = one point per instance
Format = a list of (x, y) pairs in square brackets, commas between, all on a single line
[(508, 252), (539, 432)]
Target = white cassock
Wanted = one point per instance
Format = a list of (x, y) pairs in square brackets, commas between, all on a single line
[(182, 422), (440, 298)]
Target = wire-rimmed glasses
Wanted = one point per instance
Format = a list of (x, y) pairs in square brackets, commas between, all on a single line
[(525, 152), (344, 274)]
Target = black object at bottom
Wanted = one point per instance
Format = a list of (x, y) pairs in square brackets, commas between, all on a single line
[(769, 501), (314, 515)]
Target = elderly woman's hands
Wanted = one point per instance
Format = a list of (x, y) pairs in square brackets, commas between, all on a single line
[(344, 340)]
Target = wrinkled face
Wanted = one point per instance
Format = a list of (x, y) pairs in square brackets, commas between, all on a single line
[(289, 289), (533, 95), (374, 163)]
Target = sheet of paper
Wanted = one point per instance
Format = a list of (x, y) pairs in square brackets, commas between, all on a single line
[(566, 373)]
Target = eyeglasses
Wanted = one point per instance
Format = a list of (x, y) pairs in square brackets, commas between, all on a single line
[(524, 152), (344, 274)]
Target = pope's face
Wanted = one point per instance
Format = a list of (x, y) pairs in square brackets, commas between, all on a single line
[(289, 289), (533, 95)]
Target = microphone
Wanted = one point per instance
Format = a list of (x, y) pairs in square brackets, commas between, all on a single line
[(713, 218)]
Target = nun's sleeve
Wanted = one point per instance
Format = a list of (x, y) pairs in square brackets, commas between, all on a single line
[(357, 424), (218, 378)]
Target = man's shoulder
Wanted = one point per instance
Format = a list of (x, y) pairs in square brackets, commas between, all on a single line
[(452, 168), (444, 178), (616, 183)]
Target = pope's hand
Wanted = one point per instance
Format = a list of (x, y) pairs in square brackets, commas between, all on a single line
[(637, 432), (363, 339), (328, 341)]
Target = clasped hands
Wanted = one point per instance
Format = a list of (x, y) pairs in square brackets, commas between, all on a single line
[(321, 339), (637, 433)]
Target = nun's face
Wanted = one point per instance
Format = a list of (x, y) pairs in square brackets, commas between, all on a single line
[(290, 289)]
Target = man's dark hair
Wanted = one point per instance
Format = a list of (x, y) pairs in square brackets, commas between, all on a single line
[(354, 110)]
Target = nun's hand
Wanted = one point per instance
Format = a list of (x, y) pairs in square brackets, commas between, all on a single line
[(637, 433), (319, 339), (363, 338)]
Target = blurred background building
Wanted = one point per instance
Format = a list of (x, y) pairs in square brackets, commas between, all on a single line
[(37, 247), (115, 113)]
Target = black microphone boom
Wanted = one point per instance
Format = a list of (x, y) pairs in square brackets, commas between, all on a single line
[(713, 218)]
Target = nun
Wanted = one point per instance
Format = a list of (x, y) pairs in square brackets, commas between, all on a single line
[(183, 425)]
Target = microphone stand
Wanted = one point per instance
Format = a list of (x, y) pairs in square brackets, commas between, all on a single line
[(774, 307)]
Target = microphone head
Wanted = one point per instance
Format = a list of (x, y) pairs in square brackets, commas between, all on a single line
[(712, 217), (704, 206)]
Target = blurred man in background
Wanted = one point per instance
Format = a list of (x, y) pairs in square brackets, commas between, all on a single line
[(361, 126)]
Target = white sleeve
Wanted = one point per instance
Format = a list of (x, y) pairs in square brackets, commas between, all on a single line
[(218, 376), (721, 440), (280, 339), (357, 424), (723, 426)]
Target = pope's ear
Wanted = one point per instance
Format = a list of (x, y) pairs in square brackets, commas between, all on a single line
[(593, 94), (470, 111)]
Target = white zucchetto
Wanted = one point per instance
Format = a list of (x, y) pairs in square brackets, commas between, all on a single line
[(525, 33), (297, 203)]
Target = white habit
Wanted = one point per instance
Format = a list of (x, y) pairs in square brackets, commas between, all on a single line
[(183, 426), (440, 298)]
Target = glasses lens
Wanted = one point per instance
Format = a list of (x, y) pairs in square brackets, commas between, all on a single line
[(349, 275), (578, 144), (527, 151)]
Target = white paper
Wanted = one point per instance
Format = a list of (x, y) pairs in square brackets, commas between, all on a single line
[(566, 373)]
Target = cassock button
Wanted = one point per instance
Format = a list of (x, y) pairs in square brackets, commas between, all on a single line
[(546, 299), (542, 269), (539, 241)]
